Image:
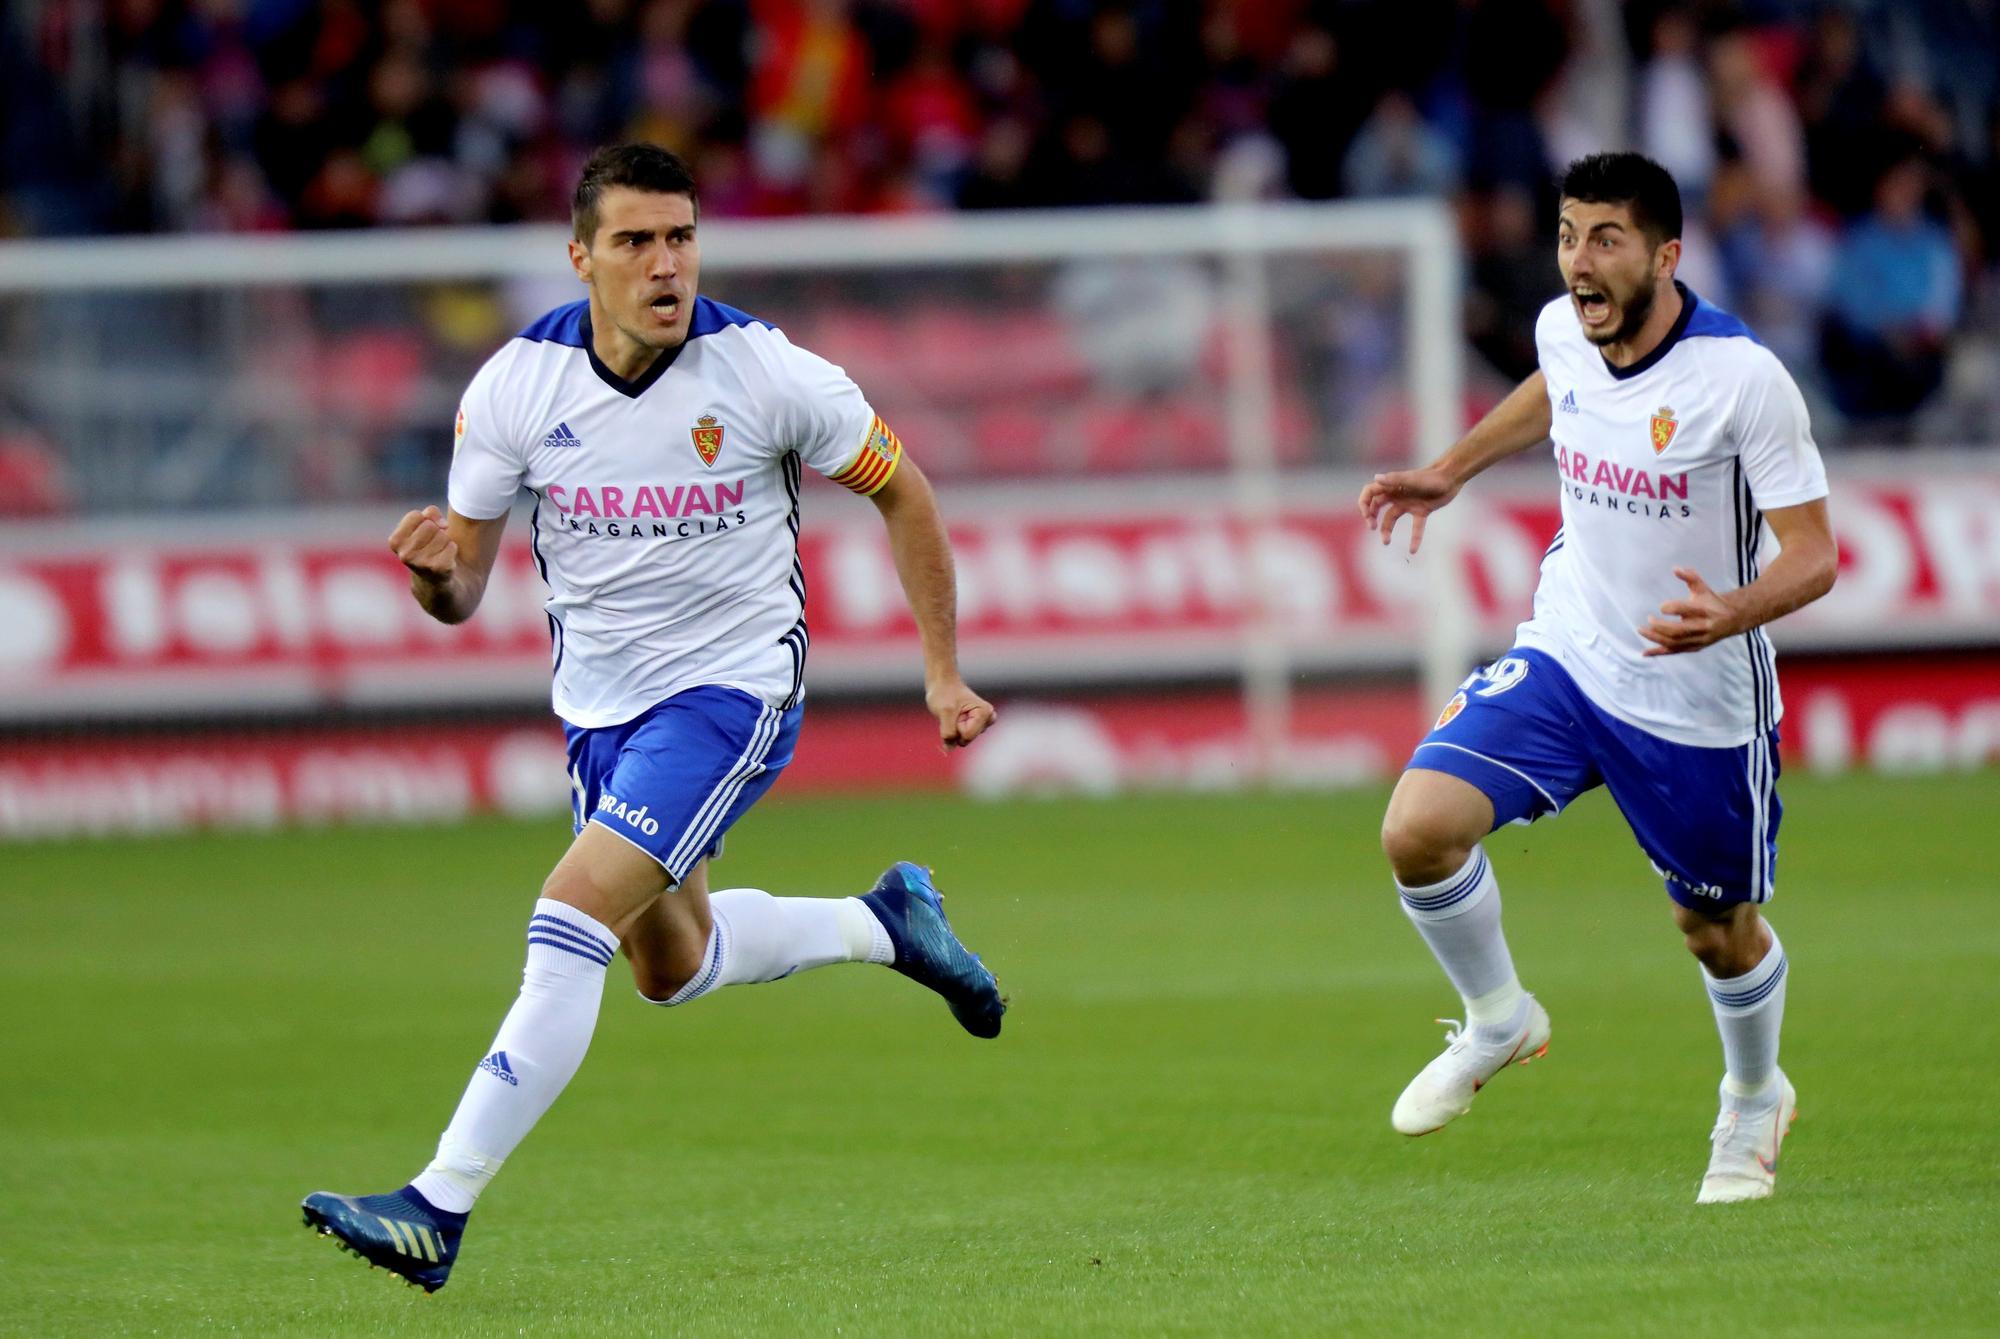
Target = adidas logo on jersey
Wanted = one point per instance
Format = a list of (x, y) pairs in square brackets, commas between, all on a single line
[(496, 1065), (1568, 405), (562, 436)]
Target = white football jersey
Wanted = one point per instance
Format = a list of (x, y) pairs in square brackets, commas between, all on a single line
[(1668, 463), (666, 517)]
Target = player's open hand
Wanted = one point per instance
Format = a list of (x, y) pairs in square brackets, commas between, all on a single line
[(1702, 619), (1387, 498), (962, 715), (421, 544)]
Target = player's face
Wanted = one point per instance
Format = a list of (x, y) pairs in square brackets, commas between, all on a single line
[(1610, 268), (643, 264)]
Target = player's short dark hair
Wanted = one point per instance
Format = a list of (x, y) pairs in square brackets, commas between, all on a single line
[(642, 167), (1632, 180)]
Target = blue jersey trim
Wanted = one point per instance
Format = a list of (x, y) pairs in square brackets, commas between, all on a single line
[(1688, 303), (711, 316), (569, 325), (1699, 318), (1710, 320)]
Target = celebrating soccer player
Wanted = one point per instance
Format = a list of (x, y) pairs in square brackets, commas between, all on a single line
[(662, 435), (1678, 438)]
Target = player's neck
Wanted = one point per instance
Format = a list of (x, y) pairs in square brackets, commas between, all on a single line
[(619, 352), (1660, 323)]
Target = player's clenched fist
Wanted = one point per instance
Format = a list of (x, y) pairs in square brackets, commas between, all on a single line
[(421, 544), (962, 714)]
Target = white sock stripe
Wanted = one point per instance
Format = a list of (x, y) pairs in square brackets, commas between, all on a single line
[(569, 918), (710, 971), (1750, 996), (711, 967), (549, 928), (1450, 882), (1463, 886), (539, 940), (701, 829)]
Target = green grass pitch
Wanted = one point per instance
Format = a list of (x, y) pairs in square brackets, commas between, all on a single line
[(1184, 1129)]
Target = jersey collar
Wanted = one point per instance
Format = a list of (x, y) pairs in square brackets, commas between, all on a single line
[(633, 389), (1661, 350)]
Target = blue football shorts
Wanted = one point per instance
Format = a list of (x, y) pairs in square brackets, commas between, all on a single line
[(673, 779), (1525, 735)]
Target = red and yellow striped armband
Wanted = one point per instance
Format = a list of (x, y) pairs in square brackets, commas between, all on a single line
[(881, 452)]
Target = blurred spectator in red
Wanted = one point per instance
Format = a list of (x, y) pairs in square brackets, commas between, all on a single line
[(32, 479), (808, 93), (1753, 108)]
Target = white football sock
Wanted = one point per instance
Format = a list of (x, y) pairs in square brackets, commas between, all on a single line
[(1459, 918), (1749, 1011), (533, 1057), (758, 937)]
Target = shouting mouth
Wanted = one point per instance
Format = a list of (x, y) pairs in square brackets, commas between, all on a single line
[(667, 307), (1592, 305)]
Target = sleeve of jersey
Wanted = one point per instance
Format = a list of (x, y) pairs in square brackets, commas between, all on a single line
[(1774, 440), (836, 432), (486, 470), (881, 451)]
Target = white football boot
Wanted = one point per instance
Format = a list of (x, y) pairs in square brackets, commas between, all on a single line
[(1443, 1091), (1744, 1163)]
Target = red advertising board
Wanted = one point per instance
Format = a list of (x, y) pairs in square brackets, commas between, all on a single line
[(1059, 583), (1888, 713)]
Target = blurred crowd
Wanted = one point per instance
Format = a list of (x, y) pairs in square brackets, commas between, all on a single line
[(1840, 159)]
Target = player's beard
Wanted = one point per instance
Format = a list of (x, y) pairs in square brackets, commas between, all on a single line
[(1637, 308)]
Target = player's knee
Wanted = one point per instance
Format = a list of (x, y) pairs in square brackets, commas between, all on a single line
[(1423, 848), (658, 982), (1709, 942), (1727, 945), (568, 884)]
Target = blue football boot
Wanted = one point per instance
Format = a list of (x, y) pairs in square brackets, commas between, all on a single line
[(927, 952), (400, 1231)]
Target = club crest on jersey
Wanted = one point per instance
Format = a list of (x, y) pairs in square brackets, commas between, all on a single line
[(1663, 429), (1451, 710), (707, 434), (458, 433)]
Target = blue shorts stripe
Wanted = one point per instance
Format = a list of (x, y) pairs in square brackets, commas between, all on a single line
[(707, 821), (673, 779), (550, 941), (761, 736)]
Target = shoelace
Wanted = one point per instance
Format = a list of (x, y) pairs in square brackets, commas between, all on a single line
[(1725, 1126), (1457, 1036)]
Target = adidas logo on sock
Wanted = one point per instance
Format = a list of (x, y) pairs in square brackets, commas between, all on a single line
[(1568, 405), (496, 1065), (562, 436)]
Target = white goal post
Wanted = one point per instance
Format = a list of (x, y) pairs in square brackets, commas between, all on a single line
[(1239, 245)]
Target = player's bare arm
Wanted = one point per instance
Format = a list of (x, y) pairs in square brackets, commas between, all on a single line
[(923, 562), (1804, 570), (1510, 427), (449, 557)]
